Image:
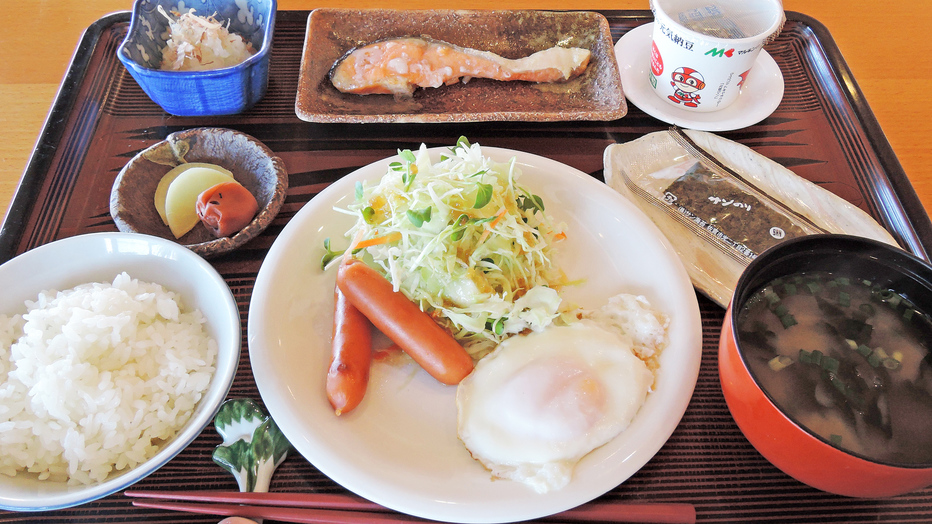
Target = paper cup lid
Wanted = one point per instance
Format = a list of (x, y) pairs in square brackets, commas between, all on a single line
[(732, 19)]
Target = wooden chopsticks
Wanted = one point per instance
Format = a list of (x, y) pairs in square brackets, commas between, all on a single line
[(323, 508)]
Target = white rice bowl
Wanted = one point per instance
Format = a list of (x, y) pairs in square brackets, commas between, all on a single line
[(101, 257)]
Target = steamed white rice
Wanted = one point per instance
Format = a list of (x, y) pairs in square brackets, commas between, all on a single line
[(94, 379)]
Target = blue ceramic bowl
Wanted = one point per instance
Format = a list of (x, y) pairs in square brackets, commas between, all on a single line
[(224, 91)]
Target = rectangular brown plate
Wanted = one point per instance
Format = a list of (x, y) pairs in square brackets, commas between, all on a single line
[(595, 95)]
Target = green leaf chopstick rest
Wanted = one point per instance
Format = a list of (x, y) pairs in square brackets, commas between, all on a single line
[(253, 446)]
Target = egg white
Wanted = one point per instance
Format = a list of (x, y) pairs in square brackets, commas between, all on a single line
[(540, 402)]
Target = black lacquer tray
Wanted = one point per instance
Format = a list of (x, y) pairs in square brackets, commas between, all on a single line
[(823, 130)]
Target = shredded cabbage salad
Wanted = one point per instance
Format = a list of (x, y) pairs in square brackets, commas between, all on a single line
[(461, 238)]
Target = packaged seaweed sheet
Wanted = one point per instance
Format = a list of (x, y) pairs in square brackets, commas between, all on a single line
[(731, 211), (721, 204)]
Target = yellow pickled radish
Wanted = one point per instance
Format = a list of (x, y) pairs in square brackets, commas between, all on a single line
[(181, 197), (162, 189)]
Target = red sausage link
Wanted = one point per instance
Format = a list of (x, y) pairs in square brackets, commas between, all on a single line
[(351, 355), (401, 320)]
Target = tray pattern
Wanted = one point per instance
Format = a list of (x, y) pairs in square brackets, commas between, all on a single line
[(822, 130)]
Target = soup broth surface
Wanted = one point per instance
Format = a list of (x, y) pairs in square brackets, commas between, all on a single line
[(847, 359)]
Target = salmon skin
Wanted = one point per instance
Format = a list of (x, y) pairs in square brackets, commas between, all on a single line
[(398, 66)]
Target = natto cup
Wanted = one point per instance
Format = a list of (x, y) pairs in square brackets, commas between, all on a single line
[(703, 51)]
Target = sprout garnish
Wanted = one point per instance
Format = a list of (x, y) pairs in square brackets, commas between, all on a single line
[(329, 254)]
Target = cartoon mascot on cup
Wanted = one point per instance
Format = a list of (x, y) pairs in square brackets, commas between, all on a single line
[(686, 82)]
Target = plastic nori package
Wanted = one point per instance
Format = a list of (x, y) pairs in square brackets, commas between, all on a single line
[(721, 204)]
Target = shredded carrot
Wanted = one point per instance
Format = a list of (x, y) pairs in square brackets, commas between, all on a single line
[(394, 236), (559, 236), (348, 254), (485, 235), (498, 218), (491, 226)]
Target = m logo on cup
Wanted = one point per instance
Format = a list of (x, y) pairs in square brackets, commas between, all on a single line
[(720, 52)]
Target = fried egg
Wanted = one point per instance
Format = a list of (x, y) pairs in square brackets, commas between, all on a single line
[(540, 402)]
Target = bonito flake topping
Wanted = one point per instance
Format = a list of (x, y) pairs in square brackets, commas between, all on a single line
[(198, 43)]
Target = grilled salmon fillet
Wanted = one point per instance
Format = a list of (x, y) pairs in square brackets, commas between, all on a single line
[(398, 66)]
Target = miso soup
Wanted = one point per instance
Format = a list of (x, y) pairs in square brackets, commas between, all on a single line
[(846, 358)]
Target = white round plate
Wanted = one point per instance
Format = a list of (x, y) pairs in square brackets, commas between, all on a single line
[(759, 98), (399, 448)]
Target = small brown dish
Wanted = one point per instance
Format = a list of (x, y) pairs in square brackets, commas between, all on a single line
[(132, 199), (595, 95)]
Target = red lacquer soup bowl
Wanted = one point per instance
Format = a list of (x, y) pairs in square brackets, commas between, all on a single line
[(825, 365)]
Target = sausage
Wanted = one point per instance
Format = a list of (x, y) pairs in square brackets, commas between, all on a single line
[(351, 355), (401, 320)]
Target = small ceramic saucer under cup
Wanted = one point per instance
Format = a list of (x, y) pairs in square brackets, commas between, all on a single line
[(760, 95)]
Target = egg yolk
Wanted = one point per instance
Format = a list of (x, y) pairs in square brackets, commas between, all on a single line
[(553, 399)]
